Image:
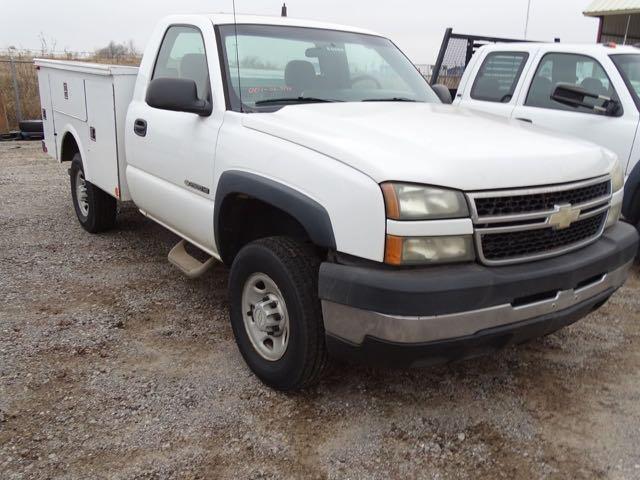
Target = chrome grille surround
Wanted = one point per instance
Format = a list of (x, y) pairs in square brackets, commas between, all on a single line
[(541, 219)]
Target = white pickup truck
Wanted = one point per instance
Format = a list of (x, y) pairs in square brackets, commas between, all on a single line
[(598, 100), (316, 162)]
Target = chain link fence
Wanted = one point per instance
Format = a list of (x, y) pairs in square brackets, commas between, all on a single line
[(19, 98)]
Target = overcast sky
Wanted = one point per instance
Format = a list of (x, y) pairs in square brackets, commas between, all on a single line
[(416, 26)]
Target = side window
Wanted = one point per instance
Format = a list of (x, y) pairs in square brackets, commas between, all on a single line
[(498, 76), (579, 70), (182, 55)]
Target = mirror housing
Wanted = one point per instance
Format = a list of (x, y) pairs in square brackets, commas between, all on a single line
[(177, 95), (574, 96), (443, 92)]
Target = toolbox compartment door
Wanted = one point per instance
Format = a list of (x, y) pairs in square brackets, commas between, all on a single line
[(101, 144), (68, 94)]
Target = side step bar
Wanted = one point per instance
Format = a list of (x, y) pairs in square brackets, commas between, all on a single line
[(190, 266)]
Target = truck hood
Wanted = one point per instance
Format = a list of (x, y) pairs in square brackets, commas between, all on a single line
[(435, 144)]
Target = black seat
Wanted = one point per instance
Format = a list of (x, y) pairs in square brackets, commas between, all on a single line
[(593, 85), (300, 76)]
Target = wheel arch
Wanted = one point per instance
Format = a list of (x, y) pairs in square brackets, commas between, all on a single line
[(70, 144), (294, 207)]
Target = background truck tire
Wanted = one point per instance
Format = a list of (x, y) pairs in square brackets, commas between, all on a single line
[(31, 126), (293, 267), (95, 209)]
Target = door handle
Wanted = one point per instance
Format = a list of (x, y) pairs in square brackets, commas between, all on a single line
[(528, 120), (140, 127)]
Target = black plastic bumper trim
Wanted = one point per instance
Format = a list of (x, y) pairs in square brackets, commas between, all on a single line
[(455, 288)]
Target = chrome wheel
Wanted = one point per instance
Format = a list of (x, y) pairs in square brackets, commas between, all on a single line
[(265, 316), (81, 194)]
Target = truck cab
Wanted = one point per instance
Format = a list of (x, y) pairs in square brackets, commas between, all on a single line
[(518, 80), (315, 161)]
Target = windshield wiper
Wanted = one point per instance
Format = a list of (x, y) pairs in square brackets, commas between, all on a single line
[(391, 99), (295, 100)]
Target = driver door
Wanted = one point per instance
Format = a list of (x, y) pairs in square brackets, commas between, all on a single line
[(171, 154)]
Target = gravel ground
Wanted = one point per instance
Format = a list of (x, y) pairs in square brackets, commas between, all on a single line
[(113, 365)]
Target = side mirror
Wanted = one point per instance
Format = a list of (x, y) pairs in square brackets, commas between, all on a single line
[(574, 96), (443, 93), (177, 95)]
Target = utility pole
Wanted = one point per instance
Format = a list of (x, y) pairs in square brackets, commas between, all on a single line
[(526, 24)]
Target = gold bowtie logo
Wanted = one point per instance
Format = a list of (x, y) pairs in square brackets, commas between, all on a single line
[(564, 217)]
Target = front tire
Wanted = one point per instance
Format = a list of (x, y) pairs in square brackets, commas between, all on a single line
[(96, 210), (275, 312)]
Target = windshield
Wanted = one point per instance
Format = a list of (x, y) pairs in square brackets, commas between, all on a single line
[(282, 65), (629, 67)]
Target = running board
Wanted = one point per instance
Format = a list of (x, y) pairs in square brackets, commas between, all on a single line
[(191, 267)]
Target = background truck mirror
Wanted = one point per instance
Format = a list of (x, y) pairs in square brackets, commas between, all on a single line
[(178, 95), (443, 93), (574, 96)]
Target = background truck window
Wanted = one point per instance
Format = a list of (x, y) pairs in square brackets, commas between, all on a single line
[(629, 67), (498, 76), (579, 70), (182, 55)]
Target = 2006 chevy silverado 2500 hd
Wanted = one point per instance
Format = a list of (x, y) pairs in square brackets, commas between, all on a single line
[(318, 164)]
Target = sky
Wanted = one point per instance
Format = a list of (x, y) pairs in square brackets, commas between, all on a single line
[(416, 26)]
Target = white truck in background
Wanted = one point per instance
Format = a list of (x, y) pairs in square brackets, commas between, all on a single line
[(317, 163), (598, 99)]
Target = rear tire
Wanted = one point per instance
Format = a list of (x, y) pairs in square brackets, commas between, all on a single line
[(276, 280), (95, 209)]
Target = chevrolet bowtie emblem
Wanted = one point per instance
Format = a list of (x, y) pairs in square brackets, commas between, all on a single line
[(564, 217)]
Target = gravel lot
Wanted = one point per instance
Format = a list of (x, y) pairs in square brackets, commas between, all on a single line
[(113, 365)]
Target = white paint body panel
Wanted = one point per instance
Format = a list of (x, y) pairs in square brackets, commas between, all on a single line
[(617, 134)]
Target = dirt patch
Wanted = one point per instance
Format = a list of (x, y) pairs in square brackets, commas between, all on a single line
[(113, 365)]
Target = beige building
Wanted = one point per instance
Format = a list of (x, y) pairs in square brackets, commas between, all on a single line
[(619, 20)]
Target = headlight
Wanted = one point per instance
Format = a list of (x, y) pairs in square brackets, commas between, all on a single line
[(405, 201), (428, 250), (617, 177)]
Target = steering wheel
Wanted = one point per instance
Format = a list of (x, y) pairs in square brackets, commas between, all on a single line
[(362, 78)]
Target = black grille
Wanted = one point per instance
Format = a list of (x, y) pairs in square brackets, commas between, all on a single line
[(510, 245), (517, 204)]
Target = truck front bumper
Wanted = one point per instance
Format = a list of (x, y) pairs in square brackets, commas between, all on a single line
[(439, 314)]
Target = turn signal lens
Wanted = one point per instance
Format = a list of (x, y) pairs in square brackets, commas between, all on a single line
[(428, 250)]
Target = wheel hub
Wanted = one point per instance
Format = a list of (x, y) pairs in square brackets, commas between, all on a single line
[(265, 316), (81, 194)]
